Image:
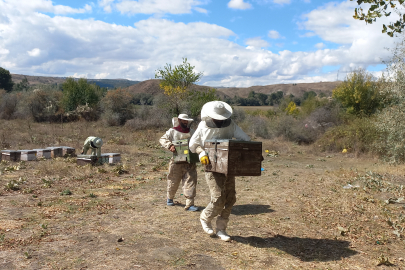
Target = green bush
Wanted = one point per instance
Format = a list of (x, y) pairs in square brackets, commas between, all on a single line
[(6, 81), (359, 93), (391, 120), (80, 92), (117, 107), (358, 135)]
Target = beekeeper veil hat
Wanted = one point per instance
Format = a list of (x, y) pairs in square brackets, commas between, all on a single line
[(98, 142), (182, 116), (218, 110)]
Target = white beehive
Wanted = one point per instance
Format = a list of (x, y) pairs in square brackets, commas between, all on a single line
[(28, 155), (43, 153), (113, 157)]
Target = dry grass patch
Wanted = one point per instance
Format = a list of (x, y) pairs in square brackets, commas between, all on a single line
[(300, 214)]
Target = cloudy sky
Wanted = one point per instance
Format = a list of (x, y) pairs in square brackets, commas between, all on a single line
[(233, 42)]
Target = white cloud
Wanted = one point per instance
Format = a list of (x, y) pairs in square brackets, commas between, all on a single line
[(319, 45), (27, 6), (274, 34), (106, 5), (34, 52), (239, 4), (257, 42), (90, 48), (159, 6), (101, 75), (4, 51)]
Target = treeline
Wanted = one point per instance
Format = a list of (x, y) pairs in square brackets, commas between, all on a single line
[(273, 99)]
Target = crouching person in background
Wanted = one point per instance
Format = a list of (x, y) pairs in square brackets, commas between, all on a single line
[(93, 143), (180, 172), (217, 124)]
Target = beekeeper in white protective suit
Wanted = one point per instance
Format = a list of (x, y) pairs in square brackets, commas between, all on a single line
[(180, 172), (93, 143), (216, 124)]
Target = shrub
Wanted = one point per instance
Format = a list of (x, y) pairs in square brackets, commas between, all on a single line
[(390, 122), (41, 105), (117, 107), (311, 104), (147, 117), (6, 81), (259, 126), (293, 129), (8, 106), (359, 134), (79, 92), (359, 93)]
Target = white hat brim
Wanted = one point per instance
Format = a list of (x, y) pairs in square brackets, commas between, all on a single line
[(208, 110)]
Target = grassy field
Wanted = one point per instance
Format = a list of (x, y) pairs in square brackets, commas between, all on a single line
[(300, 214)]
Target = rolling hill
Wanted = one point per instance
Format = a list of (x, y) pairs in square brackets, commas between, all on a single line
[(152, 86)]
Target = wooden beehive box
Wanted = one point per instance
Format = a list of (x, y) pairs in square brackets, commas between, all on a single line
[(56, 151), (235, 158), (43, 153), (86, 159), (10, 155), (68, 151), (113, 157), (28, 155), (183, 153)]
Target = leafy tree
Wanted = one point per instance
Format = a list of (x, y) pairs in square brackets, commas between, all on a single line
[(6, 82), (197, 99), (24, 85), (359, 93), (117, 106), (79, 92), (308, 95), (391, 119), (379, 8), (176, 82), (292, 109)]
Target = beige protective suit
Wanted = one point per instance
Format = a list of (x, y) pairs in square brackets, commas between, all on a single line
[(222, 188), (94, 144), (180, 172)]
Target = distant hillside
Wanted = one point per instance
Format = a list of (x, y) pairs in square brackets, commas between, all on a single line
[(109, 83), (295, 89), (152, 86)]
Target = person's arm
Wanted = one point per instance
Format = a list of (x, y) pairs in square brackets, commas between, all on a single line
[(195, 143), (86, 147), (196, 146), (166, 140), (239, 134)]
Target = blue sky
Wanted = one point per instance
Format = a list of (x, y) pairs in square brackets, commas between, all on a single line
[(233, 42)]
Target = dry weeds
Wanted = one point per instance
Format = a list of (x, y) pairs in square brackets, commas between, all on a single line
[(300, 214)]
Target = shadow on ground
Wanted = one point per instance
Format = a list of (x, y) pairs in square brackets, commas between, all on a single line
[(251, 209), (306, 249)]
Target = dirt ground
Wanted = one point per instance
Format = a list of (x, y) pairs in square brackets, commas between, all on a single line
[(308, 210)]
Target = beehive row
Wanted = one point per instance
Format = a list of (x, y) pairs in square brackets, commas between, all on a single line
[(28, 155), (109, 158)]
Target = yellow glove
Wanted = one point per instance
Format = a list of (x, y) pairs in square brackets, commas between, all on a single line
[(205, 160)]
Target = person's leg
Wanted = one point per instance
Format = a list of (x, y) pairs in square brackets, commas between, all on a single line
[(189, 185), (173, 181), (216, 182), (230, 199)]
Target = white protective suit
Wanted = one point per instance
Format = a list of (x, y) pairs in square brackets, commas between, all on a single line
[(180, 172), (91, 143), (222, 187)]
